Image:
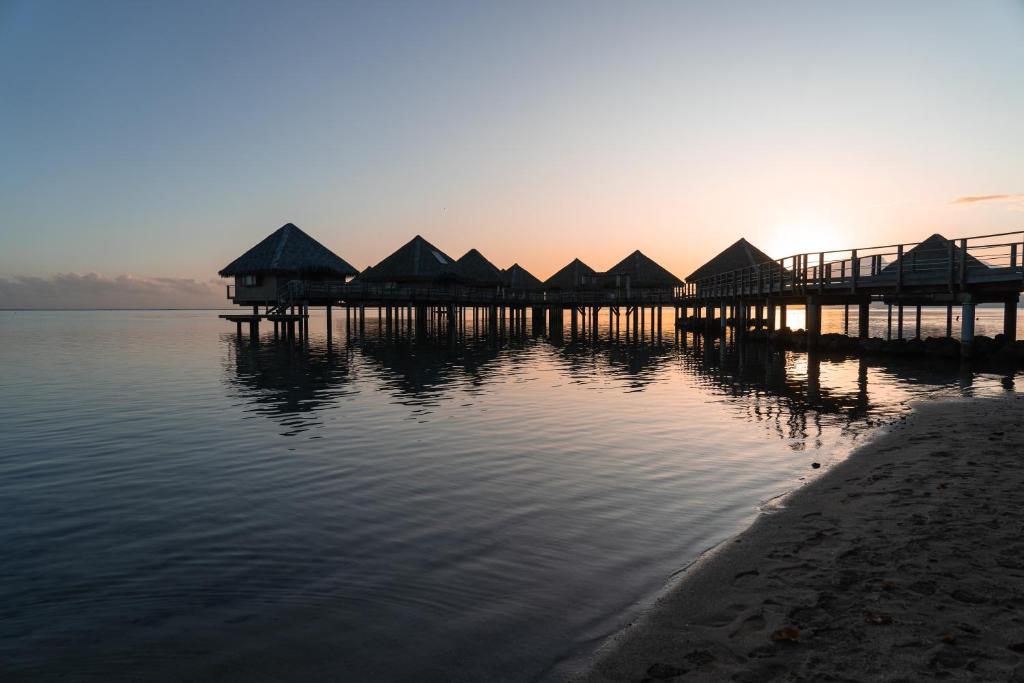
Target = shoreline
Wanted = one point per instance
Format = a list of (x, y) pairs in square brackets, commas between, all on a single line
[(903, 561)]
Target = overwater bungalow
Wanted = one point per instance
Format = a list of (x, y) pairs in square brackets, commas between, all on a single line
[(639, 275), (517, 280), (417, 262), (932, 256), (575, 276), (285, 256), (478, 271), (740, 254)]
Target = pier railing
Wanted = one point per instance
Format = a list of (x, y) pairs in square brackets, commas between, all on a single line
[(297, 290), (953, 264)]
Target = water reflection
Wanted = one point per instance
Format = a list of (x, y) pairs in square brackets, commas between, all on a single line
[(292, 382), (286, 382)]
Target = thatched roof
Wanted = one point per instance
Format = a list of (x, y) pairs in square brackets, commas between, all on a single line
[(644, 272), (519, 279), (932, 254), (416, 261), (288, 250), (478, 269), (741, 254), (361, 277), (570, 277)]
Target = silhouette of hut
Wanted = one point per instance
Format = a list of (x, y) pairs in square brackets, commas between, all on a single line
[(416, 262), (516, 279), (740, 254), (638, 273), (286, 254), (478, 270), (931, 258), (574, 276)]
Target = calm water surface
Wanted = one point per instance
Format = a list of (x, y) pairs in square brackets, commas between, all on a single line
[(182, 504)]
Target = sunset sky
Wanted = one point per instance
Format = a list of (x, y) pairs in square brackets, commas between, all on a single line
[(145, 140)]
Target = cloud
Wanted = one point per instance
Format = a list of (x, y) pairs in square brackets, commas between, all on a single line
[(974, 199), (92, 290)]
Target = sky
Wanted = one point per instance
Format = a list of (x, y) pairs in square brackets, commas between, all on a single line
[(145, 145)]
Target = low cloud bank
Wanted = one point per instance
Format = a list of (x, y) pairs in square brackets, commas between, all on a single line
[(91, 290)]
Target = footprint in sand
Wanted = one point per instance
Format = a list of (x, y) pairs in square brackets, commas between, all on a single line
[(726, 616), (752, 624), (745, 578)]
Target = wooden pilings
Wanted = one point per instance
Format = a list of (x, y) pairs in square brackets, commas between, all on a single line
[(1010, 317), (813, 319), (967, 327)]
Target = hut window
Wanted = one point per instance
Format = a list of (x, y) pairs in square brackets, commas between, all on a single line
[(248, 280), (440, 259)]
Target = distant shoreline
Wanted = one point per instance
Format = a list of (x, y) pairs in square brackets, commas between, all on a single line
[(96, 310), (902, 560)]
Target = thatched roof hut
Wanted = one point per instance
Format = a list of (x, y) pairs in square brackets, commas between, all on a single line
[(478, 269), (741, 254), (290, 251), (575, 275), (519, 279), (416, 261), (644, 272), (932, 255)]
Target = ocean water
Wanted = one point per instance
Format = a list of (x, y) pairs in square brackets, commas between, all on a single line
[(183, 504)]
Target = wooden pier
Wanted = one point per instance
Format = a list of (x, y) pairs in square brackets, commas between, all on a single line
[(419, 290), (962, 273)]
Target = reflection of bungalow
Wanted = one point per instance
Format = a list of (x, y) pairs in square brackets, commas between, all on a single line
[(285, 255), (639, 275), (517, 280), (575, 276), (740, 254), (417, 262), (478, 271)]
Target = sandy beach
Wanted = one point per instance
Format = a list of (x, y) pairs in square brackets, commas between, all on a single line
[(904, 562)]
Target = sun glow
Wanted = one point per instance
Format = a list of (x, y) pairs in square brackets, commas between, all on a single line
[(800, 238)]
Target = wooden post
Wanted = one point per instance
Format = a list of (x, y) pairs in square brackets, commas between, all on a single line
[(899, 273), (846, 319), (771, 315), (782, 316), (888, 325), (917, 323), (330, 331), (863, 313), (949, 320), (1010, 318), (813, 316), (899, 321), (963, 274), (967, 327)]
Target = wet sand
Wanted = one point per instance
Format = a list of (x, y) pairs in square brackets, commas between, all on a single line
[(905, 562)]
